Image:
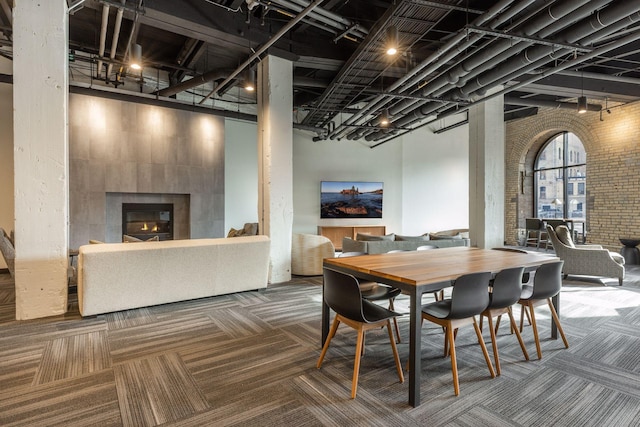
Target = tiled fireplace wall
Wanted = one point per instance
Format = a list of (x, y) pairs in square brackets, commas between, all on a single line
[(122, 151)]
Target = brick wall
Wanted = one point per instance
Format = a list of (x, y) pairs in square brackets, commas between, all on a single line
[(613, 169)]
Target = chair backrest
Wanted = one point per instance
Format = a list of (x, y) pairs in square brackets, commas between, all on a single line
[(555, 222), (395, 251), (470, 295), (342, 294), (516, 250), (547, 281), (507, 288), (533, 223), (564, 235), (426, 247)]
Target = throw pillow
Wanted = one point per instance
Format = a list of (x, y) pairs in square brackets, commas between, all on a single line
[(95, 242), (370, 238), (424, 238), (564, 235), (131, 239)]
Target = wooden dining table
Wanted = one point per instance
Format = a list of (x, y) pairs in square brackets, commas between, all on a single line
[(417, 272)]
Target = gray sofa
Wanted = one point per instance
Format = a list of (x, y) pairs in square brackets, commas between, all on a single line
[(407, 243)]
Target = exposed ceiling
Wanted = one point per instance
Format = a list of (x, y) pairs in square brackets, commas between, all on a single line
[(452, 54)]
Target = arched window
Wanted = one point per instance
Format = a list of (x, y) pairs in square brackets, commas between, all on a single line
[(561, 178)]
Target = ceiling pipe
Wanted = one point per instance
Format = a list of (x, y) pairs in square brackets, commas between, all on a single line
[(450, 77), (572, 34), (598, 76), (264, 47), (404, 107), (103, 38), (334, 20), (379, 101), (194, 82), (116, 36), (568, 64), (513, 100)]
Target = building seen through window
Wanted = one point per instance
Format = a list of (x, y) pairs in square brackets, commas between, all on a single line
[(561, 178)]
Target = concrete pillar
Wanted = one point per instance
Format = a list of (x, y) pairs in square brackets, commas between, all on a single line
[(275, 161), (486, 173), (40, 94)]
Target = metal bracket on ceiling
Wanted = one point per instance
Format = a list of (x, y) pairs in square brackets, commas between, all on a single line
[(73, 5)]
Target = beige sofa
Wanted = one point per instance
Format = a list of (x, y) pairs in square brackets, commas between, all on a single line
[(122, 276)]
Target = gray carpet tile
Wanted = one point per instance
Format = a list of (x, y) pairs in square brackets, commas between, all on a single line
[(249, 359)]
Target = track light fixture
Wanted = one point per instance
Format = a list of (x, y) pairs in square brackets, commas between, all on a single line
[(249, 80), (582, 104), (384, 118), (392, 40), (136, 57)]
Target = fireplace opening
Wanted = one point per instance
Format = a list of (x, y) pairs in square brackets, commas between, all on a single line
[(147, 220)]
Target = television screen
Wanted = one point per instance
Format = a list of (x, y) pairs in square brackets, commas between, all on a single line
[(350, 199)]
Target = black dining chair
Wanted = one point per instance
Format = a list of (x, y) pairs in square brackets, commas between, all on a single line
[(342, 294), (469, 298), (547, 283), (506, 289), (372, 291)]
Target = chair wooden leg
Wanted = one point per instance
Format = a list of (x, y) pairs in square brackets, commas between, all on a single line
[(395, 321), (534, 326), (521, 316), (494, 344), (512, 321), (557, 320), (484, 348), (454, 363), (396, 357), (498, 323), (356, 364), (325, 347)]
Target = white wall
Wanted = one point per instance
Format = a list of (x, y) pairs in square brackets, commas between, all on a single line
[(240, 173), (6, 152), (425, 178), (435, 180), (343, 161)]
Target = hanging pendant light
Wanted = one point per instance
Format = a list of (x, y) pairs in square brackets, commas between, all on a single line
[(136, 57), (392, 40)]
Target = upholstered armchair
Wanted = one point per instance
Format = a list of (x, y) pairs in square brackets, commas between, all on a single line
[(307, 253), (8, 251), (587, 260)]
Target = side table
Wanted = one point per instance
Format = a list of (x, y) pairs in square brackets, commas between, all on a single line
[(629, 251)]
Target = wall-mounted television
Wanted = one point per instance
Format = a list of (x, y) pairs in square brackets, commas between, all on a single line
[(350, 199)]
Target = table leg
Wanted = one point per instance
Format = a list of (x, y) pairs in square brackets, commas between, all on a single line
[(556, 304), (415, 346)]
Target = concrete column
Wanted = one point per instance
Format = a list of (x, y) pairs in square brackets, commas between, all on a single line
[(275, 161), (486, 173), (40, 94)]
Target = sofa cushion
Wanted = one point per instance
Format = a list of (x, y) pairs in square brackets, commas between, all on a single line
[(423, 238), (564, 235), (370, 238)]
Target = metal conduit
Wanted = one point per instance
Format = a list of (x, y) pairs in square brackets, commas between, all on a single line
[(572, 34), (568, 64), (380, 100), (103, 37), (323, 15), (442, 82), (116, 36), (501, 51), (549, 104), (264, 47)]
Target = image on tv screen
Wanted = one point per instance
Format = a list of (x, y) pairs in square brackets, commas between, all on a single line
[(350, 199)]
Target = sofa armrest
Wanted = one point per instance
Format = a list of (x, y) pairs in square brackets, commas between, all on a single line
[(350, 245)]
